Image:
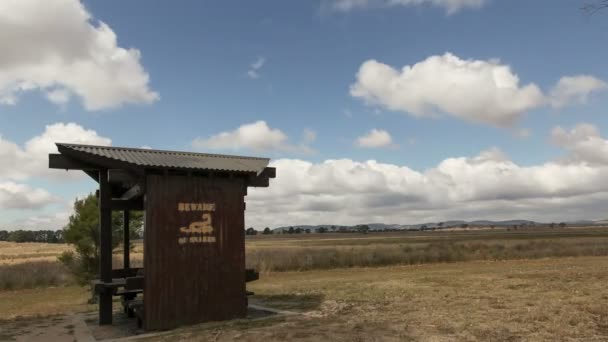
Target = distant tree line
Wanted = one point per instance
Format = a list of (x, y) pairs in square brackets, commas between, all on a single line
[(48, 236), (363, 229)]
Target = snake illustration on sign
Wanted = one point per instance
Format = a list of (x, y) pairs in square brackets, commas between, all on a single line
[(201, 230)]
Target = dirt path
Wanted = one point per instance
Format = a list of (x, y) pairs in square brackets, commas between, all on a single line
[(60, 328)]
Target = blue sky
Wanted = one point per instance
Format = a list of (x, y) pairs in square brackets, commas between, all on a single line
[(215, 66)]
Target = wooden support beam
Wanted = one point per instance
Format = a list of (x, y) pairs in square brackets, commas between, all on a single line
[(105, 247), (134, 192), (136, 204), (118, 176), (125, 240), (263, 179), (93, 174), (59, 161), (123, 177)]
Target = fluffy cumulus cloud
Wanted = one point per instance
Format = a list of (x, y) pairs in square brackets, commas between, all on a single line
[(375, 138), (31, 159), (482, 91), (53, 221), (20, 196), (575, 89), (55, 46), (583, 143), (256, 136), (488, 185), (450, 6)]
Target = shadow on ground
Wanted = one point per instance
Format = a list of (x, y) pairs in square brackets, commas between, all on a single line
[(289, 301)]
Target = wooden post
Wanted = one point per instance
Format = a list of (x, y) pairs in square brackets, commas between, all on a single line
[(125, 241), (105, 247)]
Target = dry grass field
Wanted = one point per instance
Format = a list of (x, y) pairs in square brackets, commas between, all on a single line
[(29, 265), (553, 299), (436, 286), (550, 299), (326, 251), (15, 253)]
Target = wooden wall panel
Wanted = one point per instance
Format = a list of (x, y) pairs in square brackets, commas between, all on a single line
[(194, 251)]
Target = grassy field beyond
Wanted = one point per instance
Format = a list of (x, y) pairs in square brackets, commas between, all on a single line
[(518, 300), (30, 265), (545, 299), (289, 252)]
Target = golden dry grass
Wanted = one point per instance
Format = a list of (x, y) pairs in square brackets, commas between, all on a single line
[(326, 251), (14, 253), (30, 265), (555, 299), (42, 302), (544, 299)]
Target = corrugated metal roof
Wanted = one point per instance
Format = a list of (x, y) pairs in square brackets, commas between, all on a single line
[(147, 158)]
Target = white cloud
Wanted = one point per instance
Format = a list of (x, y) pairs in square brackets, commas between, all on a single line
[(37, 221), (522, 133), (482, 91), (375, 138), (256, 136), (23, 163), (583, 142), (571, 89), (21, 196), (473, 90), (450, 6), (488, 185), (66, 54), (31, 160), (58, 96), (309, 136), (254, 68)]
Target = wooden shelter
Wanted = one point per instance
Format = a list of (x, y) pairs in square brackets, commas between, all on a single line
[(194, 244)]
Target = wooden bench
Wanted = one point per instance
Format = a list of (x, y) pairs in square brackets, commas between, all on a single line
[(124, 273), (133, 287), (128, 284), (251, 275), (136, 309)]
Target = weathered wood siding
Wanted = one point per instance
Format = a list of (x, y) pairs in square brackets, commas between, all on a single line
[(189, 278)]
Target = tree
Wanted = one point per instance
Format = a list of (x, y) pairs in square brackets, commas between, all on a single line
[(251, 231), (322, 230), (59, 236), (307, 230), (291, 230), (562, 224), (22, 236), (267, 231), (82, 231), (363, 228), (3, 235)]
